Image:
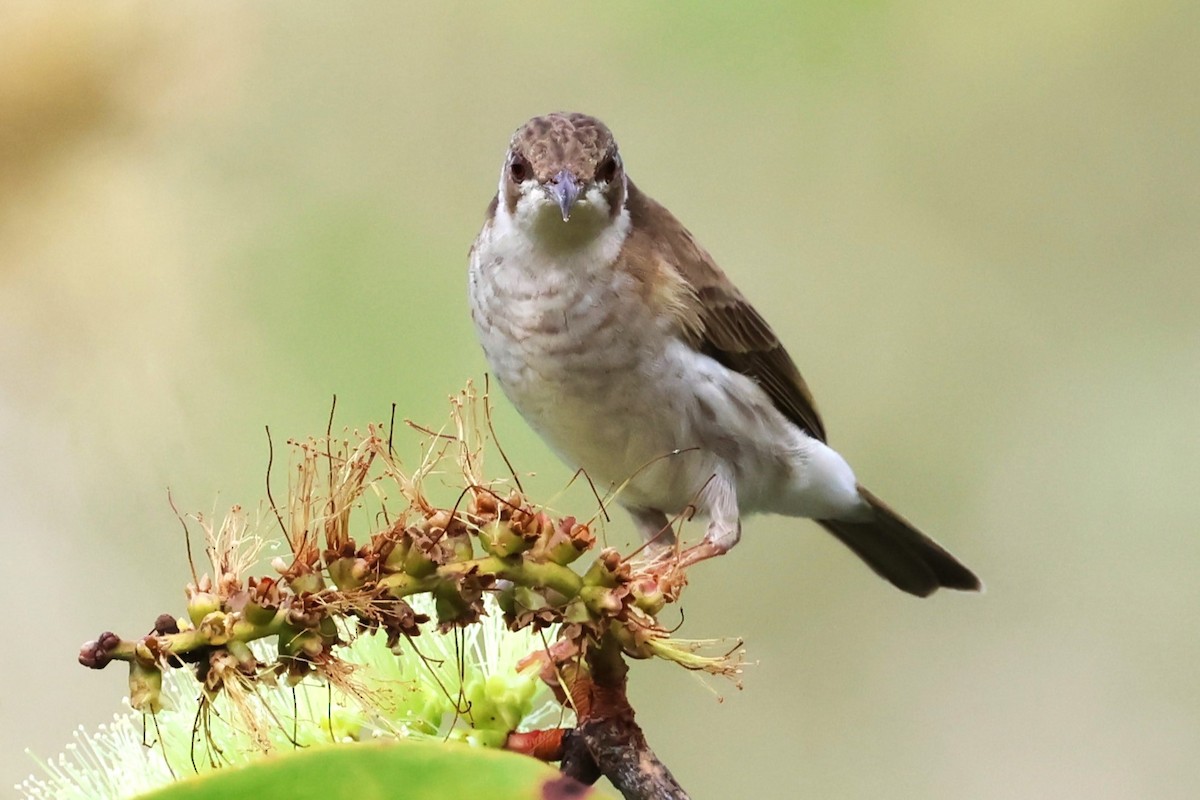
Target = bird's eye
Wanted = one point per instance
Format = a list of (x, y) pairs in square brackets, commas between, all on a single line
[(519, 169), (607, 169)]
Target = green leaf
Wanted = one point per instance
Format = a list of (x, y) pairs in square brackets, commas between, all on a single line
[(394, 771)]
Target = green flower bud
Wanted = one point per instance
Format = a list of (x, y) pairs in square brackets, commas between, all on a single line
[(396, 557), (418, 564), (347, 573), (258, 615), (649, 597), (200, 605), (528, 599), (242, 654), (215, 627), (145, 687), (576, 611), (308, 582), (602, 602), (499, 539), (599, 574)]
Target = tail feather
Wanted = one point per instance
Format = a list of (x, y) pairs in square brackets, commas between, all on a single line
[(900, 553)]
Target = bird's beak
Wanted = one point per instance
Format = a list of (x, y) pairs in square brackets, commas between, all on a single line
[(565, 190)]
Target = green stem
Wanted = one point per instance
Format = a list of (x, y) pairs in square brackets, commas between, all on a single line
[(521, 572), (190, 641)]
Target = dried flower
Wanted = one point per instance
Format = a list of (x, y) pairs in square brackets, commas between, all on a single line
[(464, 684)]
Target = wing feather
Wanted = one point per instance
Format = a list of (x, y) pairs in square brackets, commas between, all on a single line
[(714, 316)]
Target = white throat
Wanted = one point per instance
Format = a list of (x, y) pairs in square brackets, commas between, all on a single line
[(536, 237)]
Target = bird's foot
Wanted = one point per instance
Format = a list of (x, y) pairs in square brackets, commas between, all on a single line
[(662, 571), (662, 565), (653, 557), (699, 552)]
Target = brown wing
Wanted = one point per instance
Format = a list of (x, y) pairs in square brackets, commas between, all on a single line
[(719, 320)]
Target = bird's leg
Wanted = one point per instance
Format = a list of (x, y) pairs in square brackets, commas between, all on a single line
[(656, 563), (700, 552), (656, 531), (719, 498)]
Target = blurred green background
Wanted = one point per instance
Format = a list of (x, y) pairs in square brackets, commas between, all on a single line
[(977, 225)]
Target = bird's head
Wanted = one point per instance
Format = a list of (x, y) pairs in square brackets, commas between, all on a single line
[(563, 176)]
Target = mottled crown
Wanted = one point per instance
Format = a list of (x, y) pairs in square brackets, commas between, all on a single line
[(559, 141)]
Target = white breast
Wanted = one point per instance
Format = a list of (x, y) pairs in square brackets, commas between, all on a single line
[(612, 389)]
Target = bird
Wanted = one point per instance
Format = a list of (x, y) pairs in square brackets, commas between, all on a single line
[(630, 352)]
